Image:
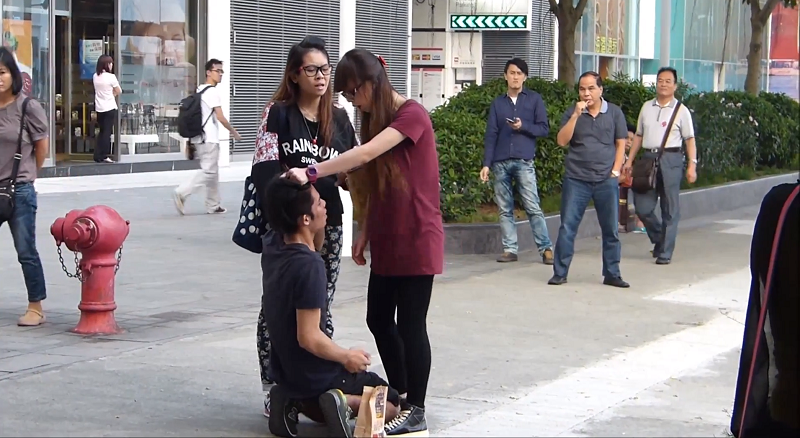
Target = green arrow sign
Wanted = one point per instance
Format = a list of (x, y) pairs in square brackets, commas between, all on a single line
[(489, 22)]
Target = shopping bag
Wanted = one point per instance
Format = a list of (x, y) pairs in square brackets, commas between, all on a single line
[(371, 413)]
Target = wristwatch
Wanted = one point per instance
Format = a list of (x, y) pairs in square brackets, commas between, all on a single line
[(615, 173), (694, 161), (311, 173)]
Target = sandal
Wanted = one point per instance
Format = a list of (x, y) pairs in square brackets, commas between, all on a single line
[(31, 318)]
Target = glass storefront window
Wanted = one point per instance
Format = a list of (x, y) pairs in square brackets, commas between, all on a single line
[(609, 27), (585, 31), (26, 33), (158, 54)]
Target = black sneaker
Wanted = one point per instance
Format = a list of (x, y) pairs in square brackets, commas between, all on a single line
[(284, 413), (336, 412), (410, 422), (556, 280), (656, 252)]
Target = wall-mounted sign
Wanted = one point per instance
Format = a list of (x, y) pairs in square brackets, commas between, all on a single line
[(462, 62), (427, 56), (489, 22), (488, 7), (89, 51), (606, 45)]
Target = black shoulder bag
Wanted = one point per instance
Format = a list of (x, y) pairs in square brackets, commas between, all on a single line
[(8, 187), (645, 170)]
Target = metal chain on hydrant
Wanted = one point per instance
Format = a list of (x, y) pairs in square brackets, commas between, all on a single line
[(119, 260), (78, 274)]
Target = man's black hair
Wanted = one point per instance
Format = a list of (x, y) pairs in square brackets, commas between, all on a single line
[(631, 128), (519, 63), (593, 74), (668, 69), (287, 202), (7, 59), (211, 63)]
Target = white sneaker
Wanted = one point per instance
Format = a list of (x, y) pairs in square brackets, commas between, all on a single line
[(266, 404), (178, 202)]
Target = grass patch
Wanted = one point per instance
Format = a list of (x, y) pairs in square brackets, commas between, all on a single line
[(551, 204)]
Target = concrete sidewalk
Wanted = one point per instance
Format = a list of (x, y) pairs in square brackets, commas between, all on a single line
[(512, 356)]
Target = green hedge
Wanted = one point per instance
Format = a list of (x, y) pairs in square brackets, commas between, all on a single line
[(734, 130)]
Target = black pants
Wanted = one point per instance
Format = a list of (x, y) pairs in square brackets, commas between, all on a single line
[(354, 383), (403, 346), (102, 149)]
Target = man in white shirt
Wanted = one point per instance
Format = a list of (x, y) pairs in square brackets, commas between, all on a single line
[(207, 144)]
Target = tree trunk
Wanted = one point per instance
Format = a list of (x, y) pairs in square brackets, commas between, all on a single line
[(566, 50), (752, 83)]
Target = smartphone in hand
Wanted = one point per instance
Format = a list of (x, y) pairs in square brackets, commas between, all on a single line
[(512, 121)]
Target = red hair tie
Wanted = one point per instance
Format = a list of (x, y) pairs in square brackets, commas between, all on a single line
[(381, 60)]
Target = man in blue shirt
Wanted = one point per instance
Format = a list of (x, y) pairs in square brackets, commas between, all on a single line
[(516, 119)]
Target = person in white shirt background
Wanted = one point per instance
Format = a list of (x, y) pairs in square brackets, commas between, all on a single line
[(207, 144), (106, 90)]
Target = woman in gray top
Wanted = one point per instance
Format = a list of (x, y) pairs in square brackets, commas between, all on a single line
[(34, 150)]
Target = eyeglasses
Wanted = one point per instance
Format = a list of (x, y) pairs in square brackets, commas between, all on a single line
[(312, 70), (222, 72), (350, 96)]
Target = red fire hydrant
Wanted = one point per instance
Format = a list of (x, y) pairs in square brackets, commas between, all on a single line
[(97, 233)]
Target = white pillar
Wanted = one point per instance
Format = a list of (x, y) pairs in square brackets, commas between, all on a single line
[(410, 34), (666, 24), (347, 41), (219, 47), (555, 51)]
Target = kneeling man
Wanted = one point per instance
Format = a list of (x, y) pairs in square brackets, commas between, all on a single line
[(313, 375)]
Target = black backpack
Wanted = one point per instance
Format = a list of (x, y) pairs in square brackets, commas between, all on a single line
[(190, 115)]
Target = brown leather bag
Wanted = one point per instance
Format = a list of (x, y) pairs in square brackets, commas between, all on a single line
[(645, 170)]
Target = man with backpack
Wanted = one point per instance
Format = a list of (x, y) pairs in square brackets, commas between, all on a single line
[(199, 119)]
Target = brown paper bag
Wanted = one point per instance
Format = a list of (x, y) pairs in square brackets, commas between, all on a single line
[(371, 413)]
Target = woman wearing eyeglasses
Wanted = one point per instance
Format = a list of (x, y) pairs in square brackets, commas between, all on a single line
[(300, 127)]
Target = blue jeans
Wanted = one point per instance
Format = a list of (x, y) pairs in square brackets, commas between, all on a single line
[(575, 197), (23, 232), (523, 172)]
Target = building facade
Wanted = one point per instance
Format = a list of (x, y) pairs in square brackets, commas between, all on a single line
[(709, 42), (158, 47), (264, 31), (784, 52), (607, 38), (456, 43)]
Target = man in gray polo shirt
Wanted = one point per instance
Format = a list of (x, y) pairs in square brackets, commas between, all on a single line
[(595, 132), (653, 120)]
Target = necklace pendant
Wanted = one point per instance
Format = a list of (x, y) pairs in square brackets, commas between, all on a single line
[(313, 141)]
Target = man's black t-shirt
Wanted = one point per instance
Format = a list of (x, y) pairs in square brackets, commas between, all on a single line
[(294, 278), (293, 134)]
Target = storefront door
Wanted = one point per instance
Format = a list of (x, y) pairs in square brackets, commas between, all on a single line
[(82, 35)]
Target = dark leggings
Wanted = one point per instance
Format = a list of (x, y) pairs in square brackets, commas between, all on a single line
[(102, 149), (410, 297)]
